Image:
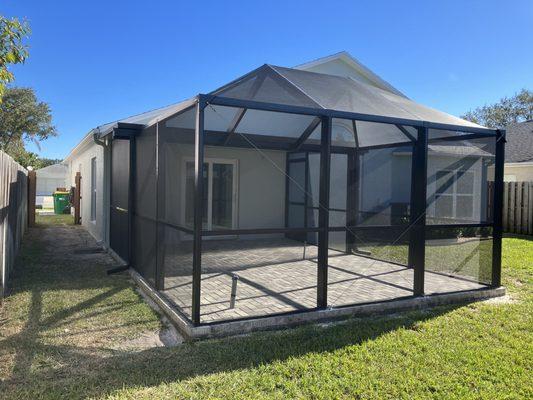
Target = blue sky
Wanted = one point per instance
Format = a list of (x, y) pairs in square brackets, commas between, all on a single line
[(97, 61)]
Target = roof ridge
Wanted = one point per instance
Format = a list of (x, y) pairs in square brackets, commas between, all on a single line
[(273, 67)]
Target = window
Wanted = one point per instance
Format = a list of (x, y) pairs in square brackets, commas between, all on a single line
[(93, 189), (219, 200), (454, 195)]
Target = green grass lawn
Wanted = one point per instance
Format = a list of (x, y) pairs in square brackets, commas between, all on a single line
[(59, 219), (62, 343)]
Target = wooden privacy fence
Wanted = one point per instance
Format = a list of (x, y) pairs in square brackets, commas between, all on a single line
[(518, 207), (13, 214)]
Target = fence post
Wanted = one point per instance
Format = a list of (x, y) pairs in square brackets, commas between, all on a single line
[(32, 181)]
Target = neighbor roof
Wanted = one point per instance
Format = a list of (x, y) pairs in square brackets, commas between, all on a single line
[(519, 146), (52, 170)]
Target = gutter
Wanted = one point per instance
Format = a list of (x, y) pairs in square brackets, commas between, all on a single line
[(99, 141), (105, 184)]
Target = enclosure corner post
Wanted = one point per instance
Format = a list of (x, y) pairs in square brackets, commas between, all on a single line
[(198, 195), (323, 213), (159, 238), (417, 237), (497, 228)]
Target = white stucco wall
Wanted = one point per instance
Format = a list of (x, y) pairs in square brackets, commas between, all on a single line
[(518, 172), (386, 180), (260, 189), (81, 162)]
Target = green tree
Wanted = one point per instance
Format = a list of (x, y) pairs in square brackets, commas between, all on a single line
[(23, 118), (508, 110), (12, 48)]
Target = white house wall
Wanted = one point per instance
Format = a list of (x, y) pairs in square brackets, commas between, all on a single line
[(81, 162), (518, 173), (386, 179), (260, 189)]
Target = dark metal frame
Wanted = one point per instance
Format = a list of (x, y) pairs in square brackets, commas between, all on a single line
[(324, 117), (417, 242)]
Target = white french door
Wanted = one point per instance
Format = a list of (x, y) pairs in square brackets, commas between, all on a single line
[(219, 197)]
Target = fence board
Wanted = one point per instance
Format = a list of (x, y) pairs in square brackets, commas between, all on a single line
[(505, 220), (13, 211), (512, 206), (518, 207), (525, 208), (530, 209)]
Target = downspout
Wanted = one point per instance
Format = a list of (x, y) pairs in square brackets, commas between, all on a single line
[(105, 195)]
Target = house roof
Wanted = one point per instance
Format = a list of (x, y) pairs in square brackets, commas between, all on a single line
[(519, 146), (147, 118), (289, 86), (463, 150), (333, 64)]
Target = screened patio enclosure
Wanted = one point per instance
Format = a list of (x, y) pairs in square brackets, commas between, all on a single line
[(290, 191)]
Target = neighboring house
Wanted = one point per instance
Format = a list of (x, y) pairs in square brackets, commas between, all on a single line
[(48, 180), (519, 152)]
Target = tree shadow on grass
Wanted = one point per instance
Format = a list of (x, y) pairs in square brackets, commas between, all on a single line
[(88, 373), (69, 371)]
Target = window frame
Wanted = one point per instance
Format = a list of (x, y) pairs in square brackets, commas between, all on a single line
[(454, 194), (210, 161)]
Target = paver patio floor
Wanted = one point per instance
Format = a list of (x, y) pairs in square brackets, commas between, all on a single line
[(274, 277)]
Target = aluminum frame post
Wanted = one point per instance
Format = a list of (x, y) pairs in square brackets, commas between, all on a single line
[(323, 213), (159, 260), (198, 209), (352, 198), (131, 198), (417, 237), (497, 227)]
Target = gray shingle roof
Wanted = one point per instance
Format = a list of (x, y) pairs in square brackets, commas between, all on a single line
[(519, 146)]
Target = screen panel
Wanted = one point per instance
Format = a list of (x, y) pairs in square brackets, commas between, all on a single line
[(458, 258), (460, 174)]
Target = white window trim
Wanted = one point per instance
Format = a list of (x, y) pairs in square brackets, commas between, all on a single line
[(454, 194), (210, 161)]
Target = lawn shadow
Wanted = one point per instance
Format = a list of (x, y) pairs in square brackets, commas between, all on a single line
[(72, 371), (85, 373), (518, 236)]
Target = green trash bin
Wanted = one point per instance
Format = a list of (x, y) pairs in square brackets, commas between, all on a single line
[(61, 203)]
